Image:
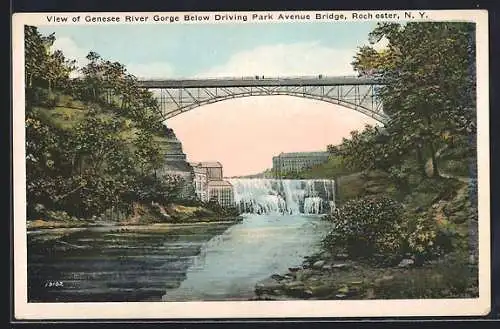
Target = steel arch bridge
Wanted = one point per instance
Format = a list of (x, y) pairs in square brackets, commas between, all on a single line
[(182, 95)]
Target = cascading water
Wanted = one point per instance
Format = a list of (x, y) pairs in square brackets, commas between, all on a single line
[(283, 196)]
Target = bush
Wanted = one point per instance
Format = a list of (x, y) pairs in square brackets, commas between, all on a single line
[(220, 210), (366, 227), (59, 215), (420, 238), (378, 229)]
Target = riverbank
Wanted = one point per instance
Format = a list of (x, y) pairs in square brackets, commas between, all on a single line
[(52, 232), (142, 215), (154, 218), (336, 277)]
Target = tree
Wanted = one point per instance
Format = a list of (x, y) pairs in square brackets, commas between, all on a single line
[(36, 53), (44, 66), (106, 160), (428, 90), (58, 70), (147, 153)]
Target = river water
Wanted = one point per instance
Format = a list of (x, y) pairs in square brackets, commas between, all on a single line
[(205, 261), (230, 265), (208, 261)]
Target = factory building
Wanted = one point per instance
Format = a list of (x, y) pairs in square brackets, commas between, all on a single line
[(297, 161), (209, 184), (221, 191)]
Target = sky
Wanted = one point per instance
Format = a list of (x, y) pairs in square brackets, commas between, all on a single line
[(243, 134)]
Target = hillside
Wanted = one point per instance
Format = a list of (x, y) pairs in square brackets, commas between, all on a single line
[(96, 146)]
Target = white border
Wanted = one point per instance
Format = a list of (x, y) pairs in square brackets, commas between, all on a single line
[(251, 309)]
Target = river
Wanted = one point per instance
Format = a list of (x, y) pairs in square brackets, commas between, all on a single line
[(205, 261), (230, 265), (208, 261)]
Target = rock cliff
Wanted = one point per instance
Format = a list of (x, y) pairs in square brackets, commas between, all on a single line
[(175, 162)]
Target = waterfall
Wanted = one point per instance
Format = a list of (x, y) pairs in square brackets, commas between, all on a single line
[(283, 196)]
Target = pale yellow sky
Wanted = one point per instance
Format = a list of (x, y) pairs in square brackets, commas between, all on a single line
[(245, 133)]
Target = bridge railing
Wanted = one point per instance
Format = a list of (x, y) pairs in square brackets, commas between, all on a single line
[(254, 77)]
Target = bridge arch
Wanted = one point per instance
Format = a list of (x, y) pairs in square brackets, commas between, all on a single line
[(179, 96), (382, 118)]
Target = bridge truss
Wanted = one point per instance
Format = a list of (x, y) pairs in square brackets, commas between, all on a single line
[(178, 96)]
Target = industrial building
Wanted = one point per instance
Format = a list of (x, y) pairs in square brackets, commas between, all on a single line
[(209, 184), (221, 191), (200, 183), (285, 163)]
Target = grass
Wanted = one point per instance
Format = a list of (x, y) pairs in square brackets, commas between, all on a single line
[(450, 278), (62, 117), (68, 112), (360, 184)]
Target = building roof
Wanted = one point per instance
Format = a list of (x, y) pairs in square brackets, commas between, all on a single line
[(219, 183), (208, 164), (303, 154)]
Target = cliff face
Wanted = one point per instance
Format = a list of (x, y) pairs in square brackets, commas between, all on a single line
[(176, 164)]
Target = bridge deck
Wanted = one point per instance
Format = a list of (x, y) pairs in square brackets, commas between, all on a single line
[(254, 82)]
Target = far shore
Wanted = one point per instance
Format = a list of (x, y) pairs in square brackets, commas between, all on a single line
[(45, 225), (46, 231)]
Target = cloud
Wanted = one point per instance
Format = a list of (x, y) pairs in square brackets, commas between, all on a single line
[(72, 50), (305, 58), (381, 45), (151, 70)]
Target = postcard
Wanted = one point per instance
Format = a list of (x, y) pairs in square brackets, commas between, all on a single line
[(251, 164)]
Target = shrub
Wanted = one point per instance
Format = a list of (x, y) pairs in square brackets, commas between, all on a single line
[(59, 215), (366, 227), (420, 238), (378, 229)]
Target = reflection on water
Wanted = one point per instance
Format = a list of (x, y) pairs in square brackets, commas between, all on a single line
[(229, 265), (196, 262)]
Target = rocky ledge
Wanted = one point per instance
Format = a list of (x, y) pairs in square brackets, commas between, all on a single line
[(336, 277), (312, 280)]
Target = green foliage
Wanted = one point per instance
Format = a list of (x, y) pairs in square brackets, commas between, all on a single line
[(419, 235), (378, 229), (109, 84), (367, 226), (59, 215), (428, 92), (365, 150), (147, 153), (151, 189), (451, 279), (220, 210), (100, 156), (43, 66)]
